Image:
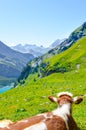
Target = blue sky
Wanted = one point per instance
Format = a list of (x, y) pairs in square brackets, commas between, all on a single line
[(39, 22)]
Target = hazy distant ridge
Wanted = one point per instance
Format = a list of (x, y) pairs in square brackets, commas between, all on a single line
[(12, 62)]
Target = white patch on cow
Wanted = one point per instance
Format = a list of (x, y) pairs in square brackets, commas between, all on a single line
[(39, 126), (24, 121), (5, 123), (62, 112), (64, 93), (54, 99), (75, 99), (45, 116)]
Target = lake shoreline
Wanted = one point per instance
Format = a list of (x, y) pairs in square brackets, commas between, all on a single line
[(3, 89)]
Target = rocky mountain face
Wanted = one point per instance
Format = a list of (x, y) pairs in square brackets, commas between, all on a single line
[(56, 43), (12, 62), (74, 36)]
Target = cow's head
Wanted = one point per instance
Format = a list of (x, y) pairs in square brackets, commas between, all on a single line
[(66, 97)]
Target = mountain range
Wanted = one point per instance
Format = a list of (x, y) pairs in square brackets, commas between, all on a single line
[(34, 49)]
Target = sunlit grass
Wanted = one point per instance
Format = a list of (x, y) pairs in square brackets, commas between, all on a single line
[(31, 98)]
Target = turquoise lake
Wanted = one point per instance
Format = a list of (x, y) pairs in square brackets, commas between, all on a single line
[(5, 89)]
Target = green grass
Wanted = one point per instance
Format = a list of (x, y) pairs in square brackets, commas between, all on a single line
[(31, 97), (73, 53)]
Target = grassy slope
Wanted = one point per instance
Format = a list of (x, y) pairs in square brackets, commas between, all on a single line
[(31, 98), (76, 54)]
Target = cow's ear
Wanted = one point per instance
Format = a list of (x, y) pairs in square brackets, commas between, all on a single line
[(52, 99), (77, 100)]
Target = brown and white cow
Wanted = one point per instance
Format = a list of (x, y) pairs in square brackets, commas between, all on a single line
[(59, 119)]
